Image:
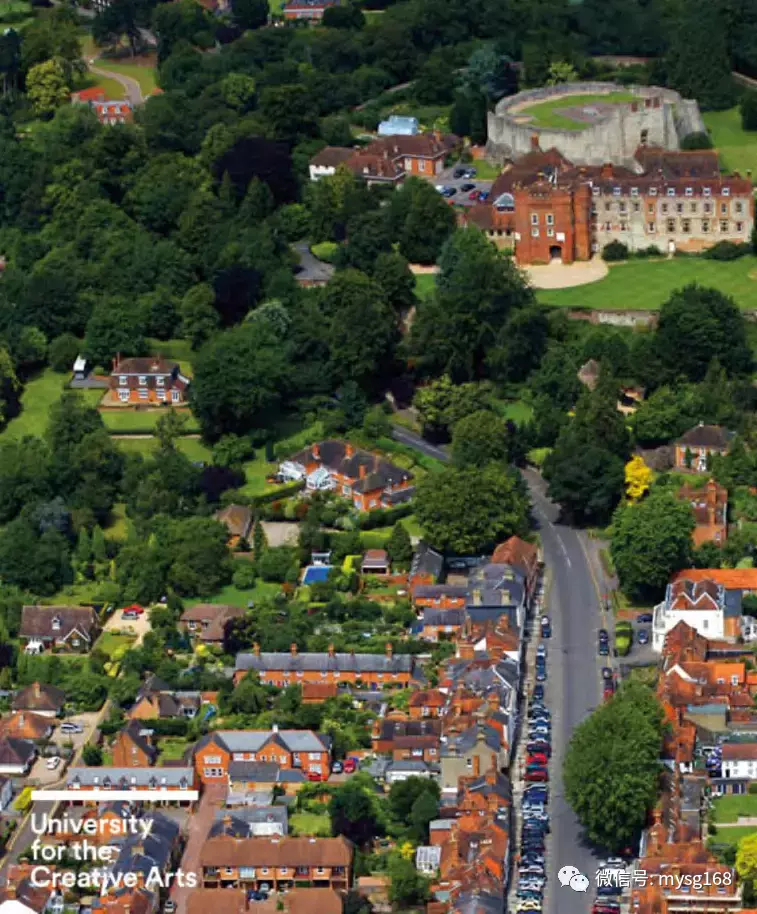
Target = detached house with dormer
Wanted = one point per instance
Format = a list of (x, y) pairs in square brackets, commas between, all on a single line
[(710, 608), (65, 628), (366, 479), (148, 380)]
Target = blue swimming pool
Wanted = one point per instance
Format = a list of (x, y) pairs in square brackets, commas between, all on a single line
[(316, 573)]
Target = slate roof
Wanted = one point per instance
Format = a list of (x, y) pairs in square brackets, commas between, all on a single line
[(323, 661), (236, 518), (333, 455), (426, 561), (711, 436), (459, 744), (331, 156), (475, 902), (140, 855), (127, 778), (134, 730), (150, 365), (240, 822), (452, 617), (438, 591), (39, 697), (264, 773), (254, 740)]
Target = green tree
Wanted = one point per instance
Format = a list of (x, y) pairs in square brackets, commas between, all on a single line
[(122, 18), (442, 404), (250, 14), (699, 34), (259, 539), (354, 812), (424, 809), (92, 756), (47, 88), (239, 88), (520, 345), (421, 220), (116, 326), (664, 415), (612, 768), (24, 476), (481, 438), (199, 319), (399, 547), (407, 886), (471, 510), (63, 351), (34, 561), (748, 109), (478, 287), (699, 324), (650, 540), (392, 273)]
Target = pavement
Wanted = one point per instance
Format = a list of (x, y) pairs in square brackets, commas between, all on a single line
[(139, 626), (558, 275), (213, 798), (414, 440)]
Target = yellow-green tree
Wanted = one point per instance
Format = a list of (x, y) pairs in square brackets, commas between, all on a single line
[(638, 478), (46, 87), (746, 857)]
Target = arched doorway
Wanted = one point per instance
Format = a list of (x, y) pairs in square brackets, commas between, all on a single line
[(555, 254)]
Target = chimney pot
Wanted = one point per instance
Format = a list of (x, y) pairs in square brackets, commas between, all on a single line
[(316, 449), (256, 649), (349, 450), (362, 471), (389, 650), (293, 649), (331, 650)]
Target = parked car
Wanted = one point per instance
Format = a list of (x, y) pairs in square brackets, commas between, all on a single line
[(546, 627), (473, 195), (449, 192), (608, 691), (470, 172), (459, 173), (52, 763), (603, 634), (350, 765), (315, 776), (169, 907), (642, 636), (483, 196), (466, 188), (538, 693), (604, 890), (605, 907), (539, 745), (541, 673), (541, 651), (603, 649), (537, 757), (606, 673), (536, 791), (536, 774), (645, 618), (337, 768), (69, 727)]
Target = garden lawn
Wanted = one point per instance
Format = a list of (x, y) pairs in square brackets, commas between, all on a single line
[(37, 397), (547, 114), (171, 749), (126, 421), (112, 88), (485, 171), (737, 147), (732, 835), (191, 447), (377, 537), (643, 284), (110, 642), (289, 438), (144, 75), (728, 809), (311, 824), (233, 596), (425, 283)]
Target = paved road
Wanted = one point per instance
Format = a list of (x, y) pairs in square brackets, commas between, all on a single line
[(414, 440), (131, 86), (573, 688), (22, 839)]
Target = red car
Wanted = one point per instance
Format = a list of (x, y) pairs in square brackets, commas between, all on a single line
[(537, 758), (536, 774), (605, 907), (316, 776), (608, 691), (473, 195), (135, 609), (350, 765)]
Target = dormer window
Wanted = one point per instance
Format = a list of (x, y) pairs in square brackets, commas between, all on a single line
[(689, 191), (706, 191), (671, 191), (56, 623), (616, 191), (726, 191), (652, 191)]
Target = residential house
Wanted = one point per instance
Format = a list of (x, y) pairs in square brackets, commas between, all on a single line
[(704, 604), (402, 769), (695, 448), (375, 561), (467, 753), (407, 739), (496, 591), (739, 761), (325, 163), (22, 895), (25, 725), (109, 111), (156, 700), (439, 596), (251, 822), (111, 778), (207, 621), (314, 693), (228, 862), (426, 703), (132, 747), (236, 901), (238, 521), (137, 900), (741, 581), (710, 509), (40, 698), (483, 794), (16, 756), (522, 556), (148, 380), (426, 567), (66, 628), (6, 792), (143, 856), (303, 750), (377, 670), (442, 624), (307, 10), (247, 780), (367, 480)]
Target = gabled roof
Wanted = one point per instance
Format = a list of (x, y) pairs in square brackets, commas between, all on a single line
[(26, 725), (134, 732), (39, 697), (730, 578), (709, 436), (331, 156), (340, 457), (276, 852), (16, 751), (236, 518), (361, 663), (152, 365), (40, 621), (254, 740)]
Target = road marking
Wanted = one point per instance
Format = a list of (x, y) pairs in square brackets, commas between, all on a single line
[(564, 551)]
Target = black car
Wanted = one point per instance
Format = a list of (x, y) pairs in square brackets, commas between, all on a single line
[(538, 692), (603, 635), (459, 172), (606, 673), (467, 187), (603, 649), (644, 618)]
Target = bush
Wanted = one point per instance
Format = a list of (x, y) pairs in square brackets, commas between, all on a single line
[(63, 351), (325, 250), (244, 575), (383, 517), (753, 788), (696, 141), (727, 250), (614, 251), (168, 726), (748, 109), (651, 251)]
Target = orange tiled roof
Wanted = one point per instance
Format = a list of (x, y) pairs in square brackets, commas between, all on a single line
[(730, 578)]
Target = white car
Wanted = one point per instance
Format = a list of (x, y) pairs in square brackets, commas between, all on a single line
[(52, 763)]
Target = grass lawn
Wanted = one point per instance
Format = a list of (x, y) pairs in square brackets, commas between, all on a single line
[(112, 89), (110, 642), (732, 835), (16, 13), (192, 447), (547, 114), (377, 537), (144, 75), (728, 809), (291, 437), (37, 397), (263, 590), (118, 526), (125, 421), (516, 410), (425, 283), (737, 147), (485, 171), (310, 823), (640, 284), (172, 748)]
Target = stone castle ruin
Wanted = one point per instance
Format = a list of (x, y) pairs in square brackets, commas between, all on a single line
[(655, 117)]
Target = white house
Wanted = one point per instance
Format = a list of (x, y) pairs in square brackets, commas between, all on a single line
[(704, 605), (739, 761), (16, 756), (325, 163)]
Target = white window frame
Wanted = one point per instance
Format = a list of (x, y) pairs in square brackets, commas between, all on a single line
[(671, 191), (689, 192), (123, 380), (652, 191), (726, 191), (634, 191), (706, 191)]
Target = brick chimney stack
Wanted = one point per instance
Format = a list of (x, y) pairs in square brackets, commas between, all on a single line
[(349, 450), (476, 765), (293, 649), (256, 649), (389, 650)]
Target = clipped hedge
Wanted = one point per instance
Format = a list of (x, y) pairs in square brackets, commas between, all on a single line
[(384, 517)]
